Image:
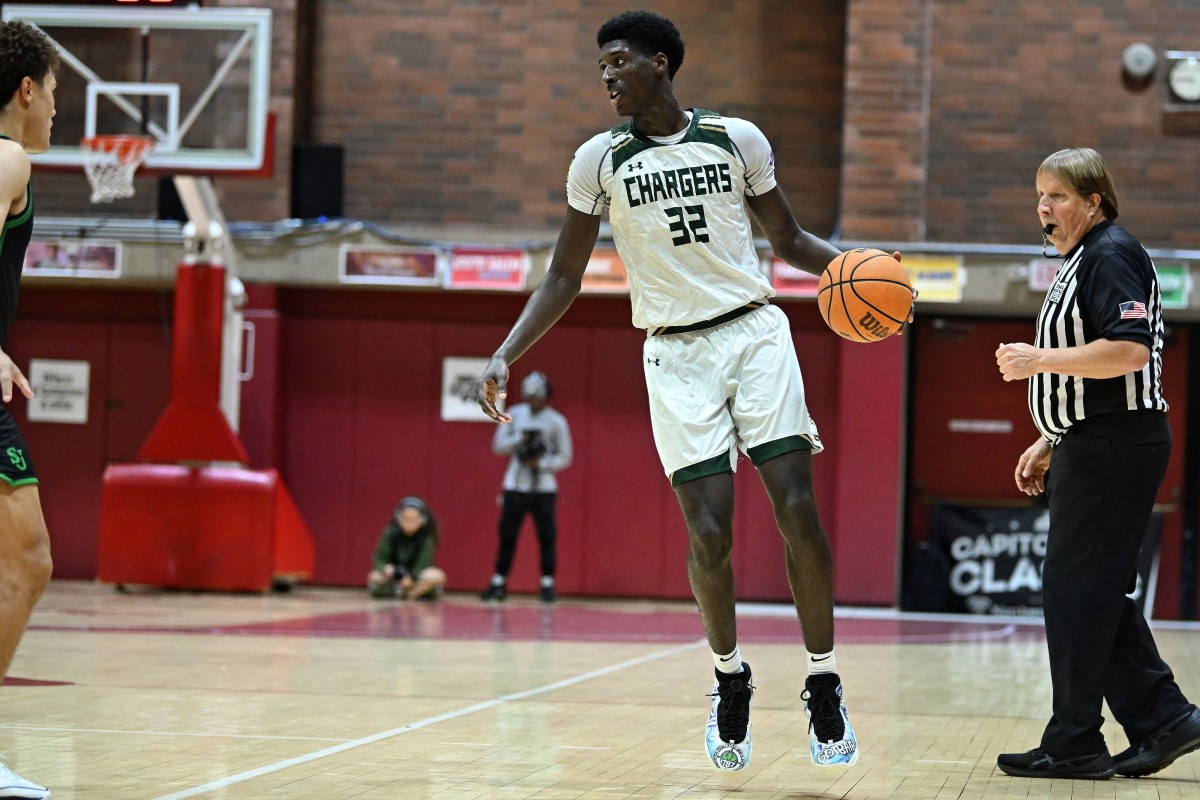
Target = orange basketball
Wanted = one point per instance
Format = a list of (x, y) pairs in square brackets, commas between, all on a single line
[(864, 295)]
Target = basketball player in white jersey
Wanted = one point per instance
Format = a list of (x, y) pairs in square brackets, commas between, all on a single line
[(678, 186)]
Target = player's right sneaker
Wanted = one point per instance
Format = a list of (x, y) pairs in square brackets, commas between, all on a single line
[(831, 739), (727, 735), (13, 785)]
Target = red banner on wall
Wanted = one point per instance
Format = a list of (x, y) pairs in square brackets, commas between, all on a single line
[(487, 269)]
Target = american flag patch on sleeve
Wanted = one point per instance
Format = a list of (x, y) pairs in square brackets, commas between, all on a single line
[(1132, 309)]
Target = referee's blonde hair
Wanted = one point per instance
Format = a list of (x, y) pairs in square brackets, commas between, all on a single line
[(1084, 169)]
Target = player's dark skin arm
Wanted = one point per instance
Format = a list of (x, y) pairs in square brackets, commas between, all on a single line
[(790, 242), (549, 301)]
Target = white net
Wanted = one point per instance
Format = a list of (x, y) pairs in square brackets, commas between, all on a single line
[(111, 161)]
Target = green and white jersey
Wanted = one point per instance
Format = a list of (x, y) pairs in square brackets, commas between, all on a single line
[(678, 213)]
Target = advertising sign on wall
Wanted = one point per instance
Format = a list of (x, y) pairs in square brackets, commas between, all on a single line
[(473, 268), (76, 258), (406, 266), (992, 559)]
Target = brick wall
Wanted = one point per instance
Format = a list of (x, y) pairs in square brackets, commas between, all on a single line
[(467, 112), (952, 105)]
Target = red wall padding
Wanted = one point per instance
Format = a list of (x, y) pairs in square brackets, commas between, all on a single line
[(361, 387), (955, 377), (345, 402)]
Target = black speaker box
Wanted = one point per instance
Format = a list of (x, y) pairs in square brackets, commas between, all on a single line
[(316, 180), (169, 205)]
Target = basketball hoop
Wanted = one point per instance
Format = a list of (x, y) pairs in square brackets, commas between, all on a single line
[(110, 161)]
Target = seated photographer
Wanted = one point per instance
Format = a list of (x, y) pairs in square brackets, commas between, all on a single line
[(402, 565), (538, 445)]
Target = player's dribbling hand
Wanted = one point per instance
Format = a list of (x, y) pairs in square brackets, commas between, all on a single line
[(492, 388), (912, 309)]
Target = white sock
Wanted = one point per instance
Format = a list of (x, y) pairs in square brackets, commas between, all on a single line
[(821, 662), (547, 580), (730, 663), (498, 579)]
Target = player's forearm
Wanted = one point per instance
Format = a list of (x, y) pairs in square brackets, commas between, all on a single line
[(804, 251), (546, 306)]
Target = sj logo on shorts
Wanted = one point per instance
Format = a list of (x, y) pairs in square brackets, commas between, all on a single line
[(17, 457)]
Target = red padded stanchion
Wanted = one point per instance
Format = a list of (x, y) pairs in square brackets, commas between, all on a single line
[(186, 522)]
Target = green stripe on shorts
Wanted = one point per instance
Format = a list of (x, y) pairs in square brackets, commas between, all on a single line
[(710, 466), (18, 481), (765, 452)]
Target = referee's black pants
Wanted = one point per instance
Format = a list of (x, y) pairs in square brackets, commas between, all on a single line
[(1103, 478)]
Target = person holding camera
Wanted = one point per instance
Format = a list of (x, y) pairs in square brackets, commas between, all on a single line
[(402, 565), (538, 445)]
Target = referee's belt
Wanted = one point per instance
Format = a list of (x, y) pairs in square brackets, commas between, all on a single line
[(728, 316)]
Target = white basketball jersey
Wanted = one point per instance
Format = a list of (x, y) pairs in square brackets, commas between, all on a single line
[(678, 213)]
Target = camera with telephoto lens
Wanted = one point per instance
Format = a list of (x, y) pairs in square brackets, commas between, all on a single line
[(532, 446)]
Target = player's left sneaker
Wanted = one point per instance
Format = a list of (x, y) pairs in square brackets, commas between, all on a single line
[(13, 785), (831, 739), (727, 735)]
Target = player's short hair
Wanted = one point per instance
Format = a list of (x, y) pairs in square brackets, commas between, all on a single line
[(1084, 170), (648, 33), (24, 52)]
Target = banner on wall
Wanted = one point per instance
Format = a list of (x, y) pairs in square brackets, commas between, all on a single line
[(791, 282), (459, 376), (1175, 284), (605, 273), (993, 557), (75, 258), (937, 279), (473, 268), (395, 265)]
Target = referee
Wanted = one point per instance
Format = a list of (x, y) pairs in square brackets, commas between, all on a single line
[(1095, 393)]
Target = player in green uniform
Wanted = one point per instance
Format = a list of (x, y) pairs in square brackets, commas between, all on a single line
[(28, 62)]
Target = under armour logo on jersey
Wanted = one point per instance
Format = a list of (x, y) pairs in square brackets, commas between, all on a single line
[(653, 361), (633, 166)]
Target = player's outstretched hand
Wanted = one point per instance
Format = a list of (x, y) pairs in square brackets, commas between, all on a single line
[(492, 388), (11, 375)]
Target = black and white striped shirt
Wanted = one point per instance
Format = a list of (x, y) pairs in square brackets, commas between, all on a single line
[(1106, 288)]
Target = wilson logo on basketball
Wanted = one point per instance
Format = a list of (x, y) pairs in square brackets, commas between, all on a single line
[(874, 327)]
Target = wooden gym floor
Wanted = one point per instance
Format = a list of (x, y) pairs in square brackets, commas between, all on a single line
[(327, 694)]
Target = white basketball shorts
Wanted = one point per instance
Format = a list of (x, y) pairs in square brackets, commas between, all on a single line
[(735, 385)]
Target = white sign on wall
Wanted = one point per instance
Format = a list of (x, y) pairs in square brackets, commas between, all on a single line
[(458, 390), (60, 390)]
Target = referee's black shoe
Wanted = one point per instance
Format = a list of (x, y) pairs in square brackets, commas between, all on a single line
[(1158, 750), (1038, 763)]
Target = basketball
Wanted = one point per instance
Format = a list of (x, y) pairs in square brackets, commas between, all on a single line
[(864, 295)]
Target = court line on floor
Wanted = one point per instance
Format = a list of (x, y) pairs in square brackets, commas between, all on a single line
[(241, 777), (174, 733)]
